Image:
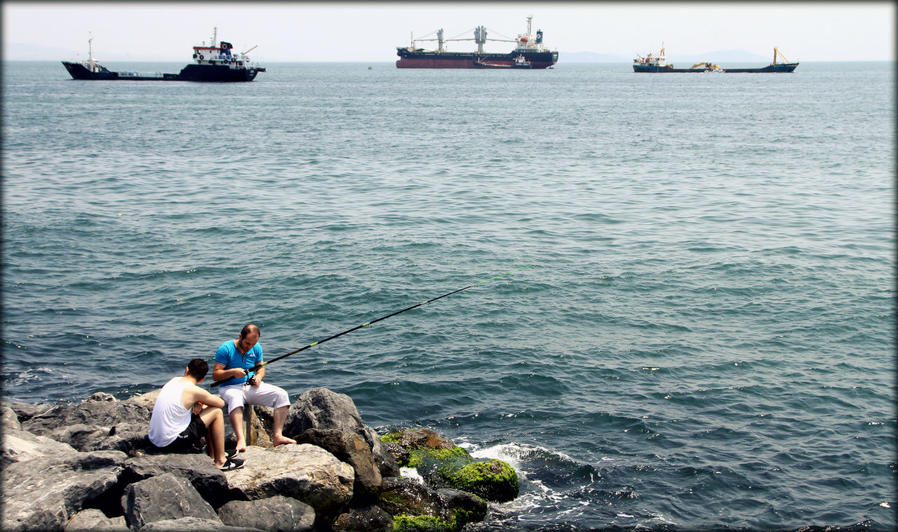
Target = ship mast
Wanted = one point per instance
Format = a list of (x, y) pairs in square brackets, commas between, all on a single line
[(214, 36), (91, 64)]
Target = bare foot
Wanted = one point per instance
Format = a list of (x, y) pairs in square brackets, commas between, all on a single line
[(241, 446), (281, 440)]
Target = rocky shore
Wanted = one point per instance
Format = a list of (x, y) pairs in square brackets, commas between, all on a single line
[(90, 467)]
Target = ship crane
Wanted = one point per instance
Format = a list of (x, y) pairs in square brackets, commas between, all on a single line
[(480, 37)]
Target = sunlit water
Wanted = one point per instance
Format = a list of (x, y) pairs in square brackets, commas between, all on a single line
[(704, 337)]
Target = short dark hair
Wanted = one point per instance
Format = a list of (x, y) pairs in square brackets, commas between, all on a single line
[(198, 369), (250, 328)]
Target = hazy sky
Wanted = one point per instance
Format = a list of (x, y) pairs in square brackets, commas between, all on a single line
[(343, 31)]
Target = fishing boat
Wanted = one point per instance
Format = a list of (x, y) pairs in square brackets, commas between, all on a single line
[(211, 63), (529, 52), (658, 63)]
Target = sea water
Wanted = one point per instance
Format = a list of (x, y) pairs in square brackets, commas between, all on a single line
[(698, 331)]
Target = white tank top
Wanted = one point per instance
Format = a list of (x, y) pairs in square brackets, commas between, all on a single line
[(169, 418)]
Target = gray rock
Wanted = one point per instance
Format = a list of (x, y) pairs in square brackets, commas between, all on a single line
[(26, 411), (320, 408), (44, 492), (8, 419), (198, 468), (351, 448), (466, 507), (99, 423), (98, 413), (163, 497), (302, 471), (371, 519), (405, 496), (274, 513), (193, 524), (20, 445), (93, 519)]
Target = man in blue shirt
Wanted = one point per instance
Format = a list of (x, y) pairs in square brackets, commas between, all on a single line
[(233, 359)]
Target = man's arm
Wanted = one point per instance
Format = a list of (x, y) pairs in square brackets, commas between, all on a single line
[(199, 395), (219, 373)]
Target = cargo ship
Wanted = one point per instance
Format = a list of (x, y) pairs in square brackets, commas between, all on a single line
[(211, 63), (529, 53), (658, 63)]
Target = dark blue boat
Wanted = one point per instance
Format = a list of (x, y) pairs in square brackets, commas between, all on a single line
[(212, 63)]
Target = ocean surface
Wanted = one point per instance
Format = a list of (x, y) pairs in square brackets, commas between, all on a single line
[(697, 331)]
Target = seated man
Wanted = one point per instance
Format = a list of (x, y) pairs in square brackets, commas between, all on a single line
[(233, 359), (182, 417)]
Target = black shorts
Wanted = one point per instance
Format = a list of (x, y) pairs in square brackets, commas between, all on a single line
[(191, 440)]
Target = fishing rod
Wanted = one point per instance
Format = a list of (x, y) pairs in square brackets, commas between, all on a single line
[(372, 322)]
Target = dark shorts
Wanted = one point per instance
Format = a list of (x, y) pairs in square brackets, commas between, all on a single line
[(191, 440)]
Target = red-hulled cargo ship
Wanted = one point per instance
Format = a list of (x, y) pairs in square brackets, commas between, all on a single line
[(530, 51)]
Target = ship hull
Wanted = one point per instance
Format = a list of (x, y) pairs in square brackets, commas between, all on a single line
[(422, 59), (780, 67), (204, 73)]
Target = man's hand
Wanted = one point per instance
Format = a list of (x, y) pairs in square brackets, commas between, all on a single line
[(198, 407)]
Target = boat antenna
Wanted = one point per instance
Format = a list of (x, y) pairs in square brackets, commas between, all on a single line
[(372, 322)]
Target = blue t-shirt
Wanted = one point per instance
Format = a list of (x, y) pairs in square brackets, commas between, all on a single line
[(228, 355)]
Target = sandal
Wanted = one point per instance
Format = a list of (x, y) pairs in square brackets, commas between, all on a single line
[(232, 464)]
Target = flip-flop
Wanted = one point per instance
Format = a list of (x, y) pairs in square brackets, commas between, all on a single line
[(232, 464)]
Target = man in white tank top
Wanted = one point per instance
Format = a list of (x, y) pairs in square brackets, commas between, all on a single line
[(184, 413)]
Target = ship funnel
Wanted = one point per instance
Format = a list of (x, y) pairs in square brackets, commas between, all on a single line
[(539, 36)]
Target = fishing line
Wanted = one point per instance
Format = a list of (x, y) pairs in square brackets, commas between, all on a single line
[(372, 322)]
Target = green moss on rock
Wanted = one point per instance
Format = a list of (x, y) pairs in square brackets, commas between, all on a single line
[(421, 523), (494, 480), (418, 457), (392, 437)]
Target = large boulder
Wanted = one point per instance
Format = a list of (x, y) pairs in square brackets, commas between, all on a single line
[(278, 513), (44, 492), (93, 519), (415, 505), (26, 411), (302, 471), (197, 468), (163, 497), (99, 423), (369, 519), (9, 420), (20, 445), (443, 465), (193, 524), (320, 408), (351, 448)]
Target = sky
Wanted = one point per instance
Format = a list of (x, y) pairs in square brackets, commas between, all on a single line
[(371, 31)]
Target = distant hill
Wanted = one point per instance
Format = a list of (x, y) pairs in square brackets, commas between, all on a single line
[(719, 56)]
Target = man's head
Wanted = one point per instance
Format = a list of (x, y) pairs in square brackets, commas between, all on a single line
[(249, 335), (197, 368)]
